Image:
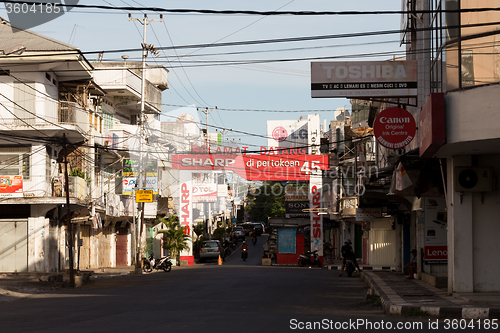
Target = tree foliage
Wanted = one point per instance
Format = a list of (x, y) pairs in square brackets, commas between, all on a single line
[(267, 201), (174, 238)]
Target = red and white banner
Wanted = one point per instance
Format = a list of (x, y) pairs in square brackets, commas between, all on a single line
[(11, 186), (394, 128), (436, 252), (255, 167), (185, 212)]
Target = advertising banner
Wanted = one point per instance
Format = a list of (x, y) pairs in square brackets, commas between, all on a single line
[(287, 240), (368, 213), (316, 189), (431, 126), (436, 249), (287, 133), (129, 184), (185, 212), (132, 174), (394, 128), (11, 186), (255, 167), (296, 208), (296, 192), (364, 79), (204, 192)]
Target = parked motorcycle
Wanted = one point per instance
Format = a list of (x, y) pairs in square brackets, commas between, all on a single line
[(244, 254), (148, 264), (305, 259), (227, 250), (349, 267)]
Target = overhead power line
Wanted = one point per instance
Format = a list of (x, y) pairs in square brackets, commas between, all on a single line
[(266, 13)]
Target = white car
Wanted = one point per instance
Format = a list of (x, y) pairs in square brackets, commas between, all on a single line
[(238, 232), (211, 249)]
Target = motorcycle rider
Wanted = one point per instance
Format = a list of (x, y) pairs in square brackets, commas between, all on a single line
[(254, 238), (348, 253), (244, 250)]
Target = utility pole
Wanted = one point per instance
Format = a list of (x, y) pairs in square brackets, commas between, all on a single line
[(145, 48), (223, 132), (208, 210), (207, 112), (68, 216)]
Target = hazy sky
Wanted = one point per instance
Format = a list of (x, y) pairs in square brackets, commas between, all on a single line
[(245, 94)]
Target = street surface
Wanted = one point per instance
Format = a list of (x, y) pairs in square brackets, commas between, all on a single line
[(239, 296)]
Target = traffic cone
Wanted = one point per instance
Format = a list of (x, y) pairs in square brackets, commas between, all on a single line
[(219, 262)]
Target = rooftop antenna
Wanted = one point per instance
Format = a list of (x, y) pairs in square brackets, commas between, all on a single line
[(73, 31)]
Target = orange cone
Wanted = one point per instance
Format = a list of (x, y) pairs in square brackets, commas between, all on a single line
[(219, 262)]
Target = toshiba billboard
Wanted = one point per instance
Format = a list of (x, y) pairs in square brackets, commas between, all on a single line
[(364, 79)]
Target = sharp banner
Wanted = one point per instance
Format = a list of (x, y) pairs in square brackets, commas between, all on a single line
[(186, 212), (364, 79), (255, 167), (316, 188)]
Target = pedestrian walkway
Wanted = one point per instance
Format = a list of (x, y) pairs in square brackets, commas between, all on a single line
[(401, 296)]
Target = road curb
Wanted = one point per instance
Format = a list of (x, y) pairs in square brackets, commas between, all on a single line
[(468, 312)]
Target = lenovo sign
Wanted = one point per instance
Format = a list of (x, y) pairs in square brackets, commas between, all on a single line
[(394, 128)]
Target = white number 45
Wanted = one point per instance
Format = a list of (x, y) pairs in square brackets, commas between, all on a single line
[(314, 168)]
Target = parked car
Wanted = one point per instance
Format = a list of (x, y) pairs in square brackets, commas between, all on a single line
[(238, 233), (211, 249), (251, 228), (257, 229), (264, 228)]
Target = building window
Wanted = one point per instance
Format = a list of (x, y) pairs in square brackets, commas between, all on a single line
[(15, 161), (467, 68), (24, 103)]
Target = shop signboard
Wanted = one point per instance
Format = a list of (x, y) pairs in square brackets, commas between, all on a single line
[(297, 208), (368, 213), (144, 196), (394, 128), (436, 249), (355, 79), (204, 192), (431, 126), (287, 133), (287, 240), (255, 167), (11, 186)]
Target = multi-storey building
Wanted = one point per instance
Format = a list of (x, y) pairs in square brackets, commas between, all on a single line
[(53, 111)]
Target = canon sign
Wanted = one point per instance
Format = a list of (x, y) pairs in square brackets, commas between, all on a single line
[(394, 128)]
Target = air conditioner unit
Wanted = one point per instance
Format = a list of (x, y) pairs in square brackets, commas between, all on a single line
[(473, 179)]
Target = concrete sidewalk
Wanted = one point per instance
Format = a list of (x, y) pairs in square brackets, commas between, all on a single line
[(400, 296), (22, 285)]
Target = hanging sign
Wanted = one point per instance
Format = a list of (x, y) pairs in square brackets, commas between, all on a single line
[(144, 196), (394, 128)]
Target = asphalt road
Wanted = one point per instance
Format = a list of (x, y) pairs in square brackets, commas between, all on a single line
[(238, 296)]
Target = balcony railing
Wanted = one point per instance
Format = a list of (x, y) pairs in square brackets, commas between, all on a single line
[(43, 187), (73, 114), (49, 113)]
